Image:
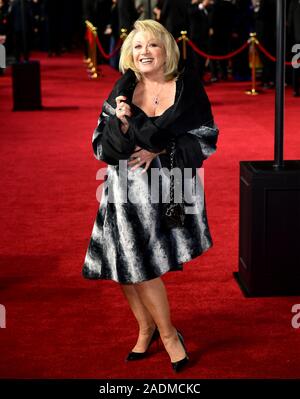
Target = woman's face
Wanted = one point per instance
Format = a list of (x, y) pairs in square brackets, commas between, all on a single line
[(148, 53)]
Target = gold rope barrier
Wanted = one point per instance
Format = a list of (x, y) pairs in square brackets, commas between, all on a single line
[(123, 34), (92, 37), (183, 38), (254, 58), (92, 50)]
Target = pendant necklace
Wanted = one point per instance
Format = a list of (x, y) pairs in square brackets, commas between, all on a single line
[(156, 100)]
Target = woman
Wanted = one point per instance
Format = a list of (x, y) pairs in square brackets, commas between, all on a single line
[(151, 107)]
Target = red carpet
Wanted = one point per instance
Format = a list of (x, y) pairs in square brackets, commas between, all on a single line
[(62, 326)]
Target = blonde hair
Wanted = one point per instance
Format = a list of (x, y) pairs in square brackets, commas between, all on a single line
[(158, 31)]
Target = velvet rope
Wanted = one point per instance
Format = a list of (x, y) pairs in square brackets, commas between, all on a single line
[(270, 56), (115, 50), (217, 57)]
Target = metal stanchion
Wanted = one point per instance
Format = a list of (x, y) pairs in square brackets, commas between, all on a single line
[(94, 72), (184, 39), (253, 41), (89, 33), (280, 82), (87, 60), (123, 34), (92, 50)]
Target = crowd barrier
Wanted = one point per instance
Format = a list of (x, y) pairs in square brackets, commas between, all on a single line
[(253, 44)]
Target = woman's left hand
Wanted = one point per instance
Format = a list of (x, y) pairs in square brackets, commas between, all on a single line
[(141, 156)]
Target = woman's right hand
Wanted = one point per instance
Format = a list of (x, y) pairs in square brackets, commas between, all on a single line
[(123, 110)]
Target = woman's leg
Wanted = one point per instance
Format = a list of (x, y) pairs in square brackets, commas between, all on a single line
[(144, 318), (154, 297)]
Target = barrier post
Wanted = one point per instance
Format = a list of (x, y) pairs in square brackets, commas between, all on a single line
[(123, 34), (253, 42), (88, 39), (94, 72), (184, 39), (92, 50)]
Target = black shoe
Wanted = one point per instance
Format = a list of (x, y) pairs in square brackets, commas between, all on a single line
[(141, 355), (179, 365)]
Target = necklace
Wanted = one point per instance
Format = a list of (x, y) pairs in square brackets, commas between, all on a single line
[(156, 100)]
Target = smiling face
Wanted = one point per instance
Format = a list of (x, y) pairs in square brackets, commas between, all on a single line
[(148, 54)]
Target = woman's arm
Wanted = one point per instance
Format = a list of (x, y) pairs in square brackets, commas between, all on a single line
[(110, 143), (196, 145), (207, 137), (97, 136)]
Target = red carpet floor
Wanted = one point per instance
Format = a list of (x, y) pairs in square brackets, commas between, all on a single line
[(62, 326)]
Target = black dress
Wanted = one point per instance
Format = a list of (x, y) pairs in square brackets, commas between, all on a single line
[(128, 242)]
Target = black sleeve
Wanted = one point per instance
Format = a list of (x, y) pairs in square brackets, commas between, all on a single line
[(188, 152), (195, 146), (109, 143), (200, 134)]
